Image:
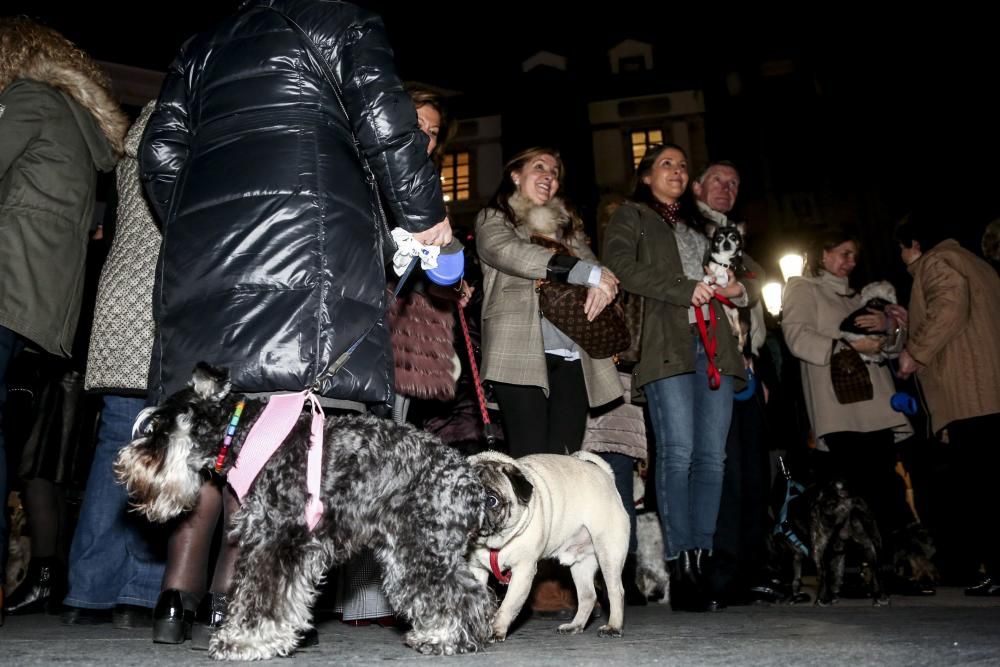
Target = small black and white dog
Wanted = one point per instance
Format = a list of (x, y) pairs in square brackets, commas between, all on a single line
[(724, 254), (418, 504)]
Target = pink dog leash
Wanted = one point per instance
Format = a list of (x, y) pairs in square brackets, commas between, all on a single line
[(270, 430)]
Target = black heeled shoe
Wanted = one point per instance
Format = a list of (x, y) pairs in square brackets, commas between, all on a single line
[(633, 596), (709, 599), (210, 615), (40, 590), (171, 621)]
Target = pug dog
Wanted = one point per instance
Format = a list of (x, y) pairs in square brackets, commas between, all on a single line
[(551, 506)]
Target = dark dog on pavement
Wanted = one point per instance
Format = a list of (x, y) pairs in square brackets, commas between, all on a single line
[(416, 503)]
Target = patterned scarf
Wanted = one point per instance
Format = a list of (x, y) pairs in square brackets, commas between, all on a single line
[(668, 212)]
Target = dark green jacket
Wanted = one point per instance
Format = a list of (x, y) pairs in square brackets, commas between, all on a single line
[(640, 248), (50, 148)]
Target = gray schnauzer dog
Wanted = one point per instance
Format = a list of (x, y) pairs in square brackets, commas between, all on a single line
[(414, 501)]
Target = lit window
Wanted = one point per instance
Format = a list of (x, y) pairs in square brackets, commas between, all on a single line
[(455, 176), (641, 141)]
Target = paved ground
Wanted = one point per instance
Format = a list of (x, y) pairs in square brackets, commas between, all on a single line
[(948, 629)]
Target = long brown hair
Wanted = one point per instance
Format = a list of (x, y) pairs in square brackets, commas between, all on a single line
[(424, 97), (501, 198), (33, 51)]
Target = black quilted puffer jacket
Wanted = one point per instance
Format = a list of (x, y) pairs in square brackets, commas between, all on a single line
[(271, 262)]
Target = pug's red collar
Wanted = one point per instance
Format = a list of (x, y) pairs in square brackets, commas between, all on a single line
[(503, 576)]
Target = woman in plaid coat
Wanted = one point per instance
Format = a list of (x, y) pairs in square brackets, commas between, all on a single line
[(543, 382)]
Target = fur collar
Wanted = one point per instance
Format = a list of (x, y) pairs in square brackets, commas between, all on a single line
[(551, 219), (91, 95)]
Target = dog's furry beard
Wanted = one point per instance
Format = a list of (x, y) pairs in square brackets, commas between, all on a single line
[(551, 219)]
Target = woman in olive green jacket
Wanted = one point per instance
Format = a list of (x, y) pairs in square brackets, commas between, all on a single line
[(655, 249), (58, 125)]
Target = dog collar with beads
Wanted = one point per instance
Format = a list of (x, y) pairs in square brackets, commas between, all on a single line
[(503, 576), (220, 460)]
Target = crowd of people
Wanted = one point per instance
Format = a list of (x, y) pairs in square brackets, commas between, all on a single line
[(251, 230)]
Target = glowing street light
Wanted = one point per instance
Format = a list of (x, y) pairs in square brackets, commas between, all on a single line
[(791, 266), (772, 297)]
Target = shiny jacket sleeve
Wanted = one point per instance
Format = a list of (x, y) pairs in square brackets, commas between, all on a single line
[(664, 281), (385, 123), (166, 141)]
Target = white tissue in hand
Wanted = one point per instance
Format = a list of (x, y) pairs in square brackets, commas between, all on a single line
[(407, 248)]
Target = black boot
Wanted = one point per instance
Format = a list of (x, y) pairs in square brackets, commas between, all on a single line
[(683, 582), (633, 596), (172, 618), (210, 616), (708, 598), (40, 591)]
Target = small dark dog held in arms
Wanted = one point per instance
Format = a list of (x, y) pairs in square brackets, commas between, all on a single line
[(825, 521), (418, 504), (725, 254)]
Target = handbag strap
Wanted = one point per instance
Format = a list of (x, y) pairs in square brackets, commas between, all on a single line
[(383, 231)]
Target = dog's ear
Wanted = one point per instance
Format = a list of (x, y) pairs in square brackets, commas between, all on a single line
[(710, 228), (741, 227), (522, 487), (209, 382)]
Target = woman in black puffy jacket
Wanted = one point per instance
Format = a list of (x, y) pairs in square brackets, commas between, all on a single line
[(272, 256)]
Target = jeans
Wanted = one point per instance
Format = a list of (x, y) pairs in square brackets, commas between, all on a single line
[(690, 422), (624, 469), (116, 556), (10, 345)]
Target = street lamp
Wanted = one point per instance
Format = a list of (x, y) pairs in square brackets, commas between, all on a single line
[(791, 266), (772, 297)]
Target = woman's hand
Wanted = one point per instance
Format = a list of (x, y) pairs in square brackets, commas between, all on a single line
[(598, 299), (439, 234), (868, 345), (907, 365), (609, 282), (874, 320), (898, 313), (702, 294)]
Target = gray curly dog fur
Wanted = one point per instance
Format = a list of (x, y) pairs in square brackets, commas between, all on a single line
[(415, 502)]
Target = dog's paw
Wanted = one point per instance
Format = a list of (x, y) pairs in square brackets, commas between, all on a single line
[(569, 629), (826, 601), (881, 600), (232, 650), (609, 631)]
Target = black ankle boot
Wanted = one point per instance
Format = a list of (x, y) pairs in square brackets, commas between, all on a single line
[(633, 596), (211, 614), (40, 591), (171, 619), (708, 598), (683, 582)]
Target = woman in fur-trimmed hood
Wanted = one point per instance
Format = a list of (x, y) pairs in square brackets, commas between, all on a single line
[(58, 126), (543, 382)]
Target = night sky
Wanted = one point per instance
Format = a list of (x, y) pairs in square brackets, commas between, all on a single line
[(903, 119)]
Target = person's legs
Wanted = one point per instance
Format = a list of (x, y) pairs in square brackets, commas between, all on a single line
[(567, 405), (624, 468), (713, 414), (10, 345), (111, 558), (524, 416), (979, 458), (672, 416)]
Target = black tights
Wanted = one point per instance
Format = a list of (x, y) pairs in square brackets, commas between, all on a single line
[(45, 511), (190, 544)]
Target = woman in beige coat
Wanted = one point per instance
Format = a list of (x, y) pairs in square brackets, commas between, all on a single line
[(542, 380), (860, 436), (952, 348)]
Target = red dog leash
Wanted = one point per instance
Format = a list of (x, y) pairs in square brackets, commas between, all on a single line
[(710, 340)]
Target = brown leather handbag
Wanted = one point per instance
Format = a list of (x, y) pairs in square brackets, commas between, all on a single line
[(562, 305), (849, 374)]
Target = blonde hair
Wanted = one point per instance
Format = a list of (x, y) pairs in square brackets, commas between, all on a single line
[(33, 51)]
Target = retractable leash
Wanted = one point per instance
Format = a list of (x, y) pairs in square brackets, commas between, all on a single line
[(709, 339)]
